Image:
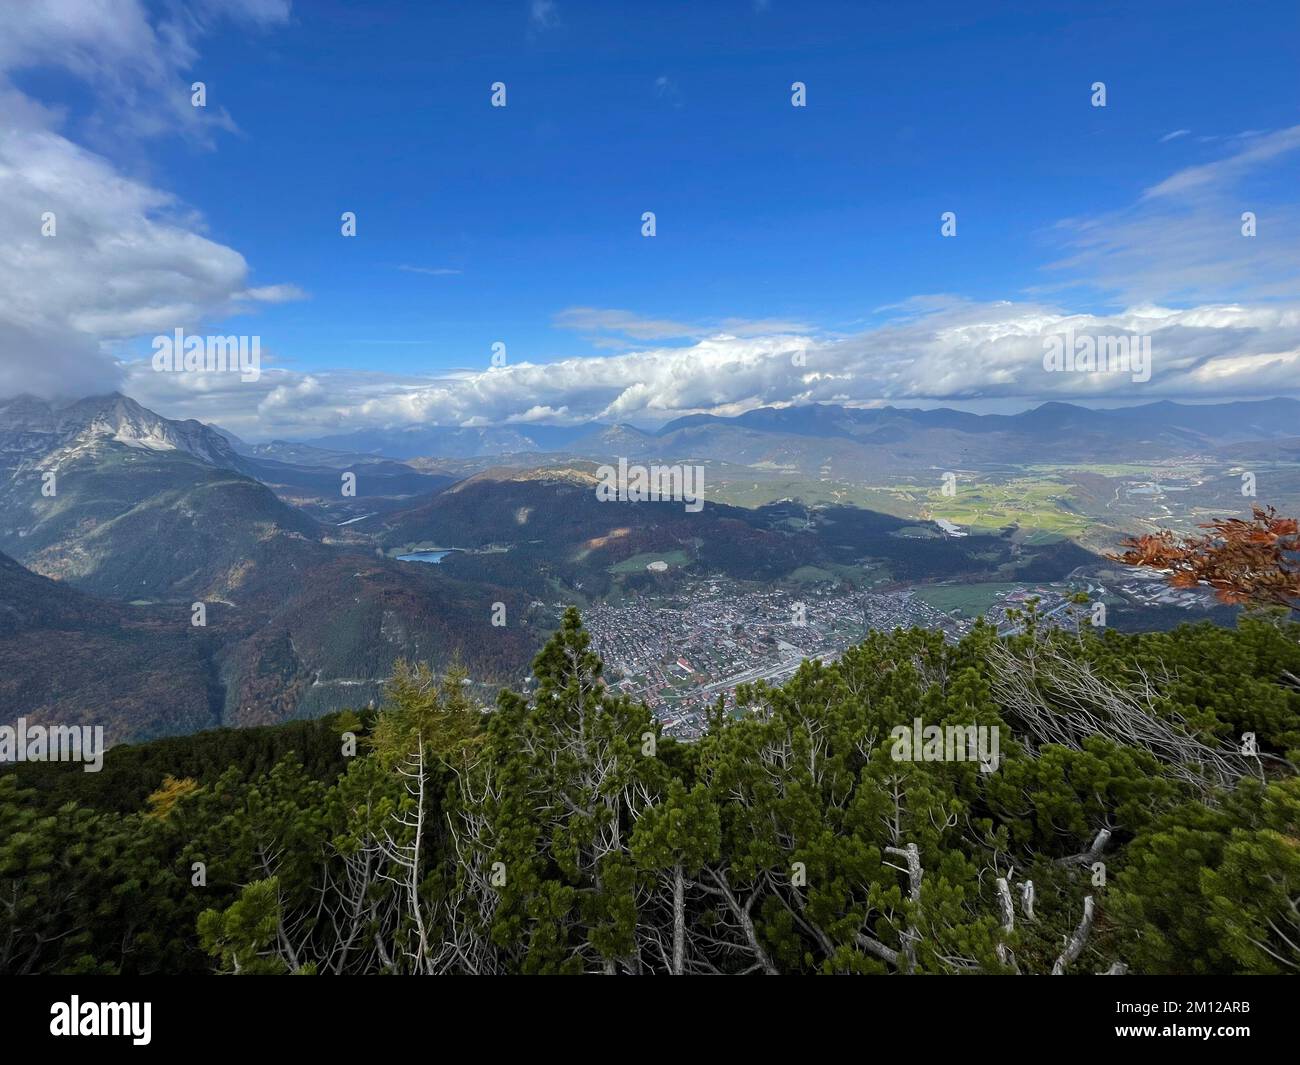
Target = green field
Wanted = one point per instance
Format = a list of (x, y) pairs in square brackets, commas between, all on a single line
[(811, 575), (964, 600), (638, 563), (1041, 505)]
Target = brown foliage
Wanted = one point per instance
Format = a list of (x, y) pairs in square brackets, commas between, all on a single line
[(172, 791), (1246, 562)]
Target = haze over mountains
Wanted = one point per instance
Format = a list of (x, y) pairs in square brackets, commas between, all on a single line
[(1186, 423), (39, 435), (308, 607), (876, 437)]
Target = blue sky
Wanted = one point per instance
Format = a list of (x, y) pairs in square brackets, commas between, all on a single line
[(820, 214), (522, 224)]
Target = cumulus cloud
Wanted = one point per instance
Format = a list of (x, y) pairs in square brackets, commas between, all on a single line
[(136, 62), (91, 255), (934, 351)]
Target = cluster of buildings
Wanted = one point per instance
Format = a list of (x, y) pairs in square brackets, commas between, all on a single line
[(680, 653)]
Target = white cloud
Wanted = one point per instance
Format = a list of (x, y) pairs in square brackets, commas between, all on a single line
[(272, 294), (431, 271), (1257, 148), (138, 65), (125, 258), (596, 321), (953, 351), (1182, 240)]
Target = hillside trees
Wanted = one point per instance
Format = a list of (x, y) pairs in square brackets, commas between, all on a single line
[(544, 822), (346, 877), (1119, 824), (1119, 829), (1215, 890), (856, 861)]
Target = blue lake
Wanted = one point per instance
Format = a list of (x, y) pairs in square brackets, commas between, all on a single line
[(424, 556)]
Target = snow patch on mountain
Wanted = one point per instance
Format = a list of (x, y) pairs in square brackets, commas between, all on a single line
[(35, 431)]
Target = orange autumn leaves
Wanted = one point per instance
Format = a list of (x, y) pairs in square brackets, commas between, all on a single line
[(1246, 562)]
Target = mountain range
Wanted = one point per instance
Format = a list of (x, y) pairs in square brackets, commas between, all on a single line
[(115, 521), (137, 518), (857, 443)]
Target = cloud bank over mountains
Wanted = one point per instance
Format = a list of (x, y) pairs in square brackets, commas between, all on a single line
[(956, 352)]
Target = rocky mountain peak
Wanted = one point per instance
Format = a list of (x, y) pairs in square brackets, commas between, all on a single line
[(31, 428)]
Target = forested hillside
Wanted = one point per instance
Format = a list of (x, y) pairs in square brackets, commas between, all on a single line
[(1140, 812)]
